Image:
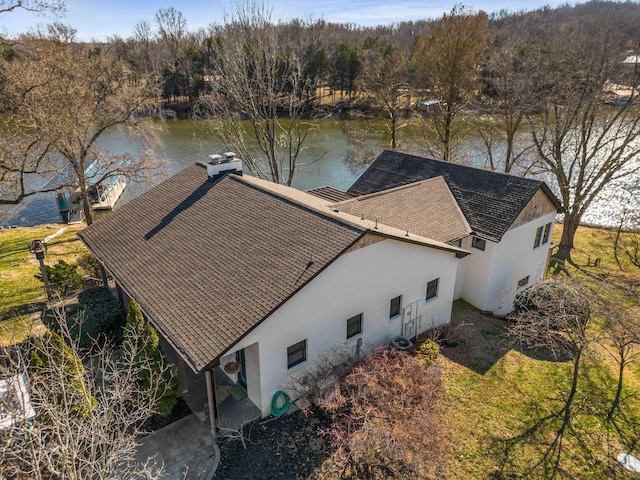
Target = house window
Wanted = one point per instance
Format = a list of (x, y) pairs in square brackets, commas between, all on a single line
[(395, 306), (432, 289), (547, 231), (478, 243), (457, 243), (536, 242), (523, 281), (297, 353), (354, 326)]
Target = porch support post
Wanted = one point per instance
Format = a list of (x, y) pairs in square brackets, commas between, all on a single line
[(103, 274), (120, 296), (211, 397), (182, 376)]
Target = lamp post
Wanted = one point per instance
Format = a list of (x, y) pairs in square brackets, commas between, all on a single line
[(38, 247)]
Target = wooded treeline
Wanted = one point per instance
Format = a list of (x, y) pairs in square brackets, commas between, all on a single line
[(333, 54)]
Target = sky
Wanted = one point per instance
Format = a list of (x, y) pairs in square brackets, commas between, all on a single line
[(99, 19)]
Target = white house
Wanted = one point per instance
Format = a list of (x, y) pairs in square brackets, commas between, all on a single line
[(248, 282), (230, 268), (510, 222)]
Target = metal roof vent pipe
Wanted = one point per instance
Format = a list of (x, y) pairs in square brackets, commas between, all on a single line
[(219, 165)]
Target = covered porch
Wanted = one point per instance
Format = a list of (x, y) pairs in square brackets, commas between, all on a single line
[(228, 401)]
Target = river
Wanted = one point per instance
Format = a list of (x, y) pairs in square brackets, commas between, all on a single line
[(184, 142), (324, 162)]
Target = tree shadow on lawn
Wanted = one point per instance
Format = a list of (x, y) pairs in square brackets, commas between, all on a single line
[(552, 423), (482, 340)]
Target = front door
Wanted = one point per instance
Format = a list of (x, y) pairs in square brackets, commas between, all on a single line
[(242, 373)]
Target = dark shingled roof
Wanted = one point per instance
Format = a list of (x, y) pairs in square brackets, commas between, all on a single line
[(490, 201), (330, 193), (206, 265)]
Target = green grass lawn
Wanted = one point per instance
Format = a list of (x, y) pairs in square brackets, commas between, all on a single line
[(18, 267), (496, 392)]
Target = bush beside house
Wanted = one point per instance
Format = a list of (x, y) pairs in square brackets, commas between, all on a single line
[(150, 361)]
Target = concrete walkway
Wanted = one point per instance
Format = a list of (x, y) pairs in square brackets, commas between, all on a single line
[(185, 450)]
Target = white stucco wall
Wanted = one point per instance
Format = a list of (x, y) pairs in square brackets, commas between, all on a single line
[(361, 281), (475, 272), (488, 279), (515, 258)]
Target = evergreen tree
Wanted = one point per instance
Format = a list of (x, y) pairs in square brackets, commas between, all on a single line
[(141, 340), (50, 353)]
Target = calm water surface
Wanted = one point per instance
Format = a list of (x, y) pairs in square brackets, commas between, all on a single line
[(182, 143), (324, 162)]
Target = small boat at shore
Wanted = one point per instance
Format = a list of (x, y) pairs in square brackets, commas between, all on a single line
[(104, 192)]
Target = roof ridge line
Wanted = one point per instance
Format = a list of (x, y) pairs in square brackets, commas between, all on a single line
[(460, 165), (351, 221), (389, 190)]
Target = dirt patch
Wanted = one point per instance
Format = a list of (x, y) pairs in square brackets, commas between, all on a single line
[(290, 447), (480, 341)]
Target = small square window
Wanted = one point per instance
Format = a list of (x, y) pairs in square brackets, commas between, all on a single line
[(478, 243), (547, 231), (354, 326), (296, 353), (395, 306), (536, 242), (523, 281), (432, 289), (457, 243)]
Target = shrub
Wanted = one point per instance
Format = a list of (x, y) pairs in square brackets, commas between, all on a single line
[(96, 314), (64, 278), (140, 336), (386, 416), (89, 265), (428, 349), (51, 357), (101, 304)]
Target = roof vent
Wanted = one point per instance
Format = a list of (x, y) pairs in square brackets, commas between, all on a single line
[(222, 164)]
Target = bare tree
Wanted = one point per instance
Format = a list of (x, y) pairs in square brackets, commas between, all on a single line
[(505, 97), (261, 93), (582, 143), (172, 28), (89, 410), (55, 7), (60, 104), (554, 315), (383, 80), (447, 62)]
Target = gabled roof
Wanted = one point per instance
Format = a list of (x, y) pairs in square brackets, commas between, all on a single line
[(427, 208), (209, 261), (490, 201)]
